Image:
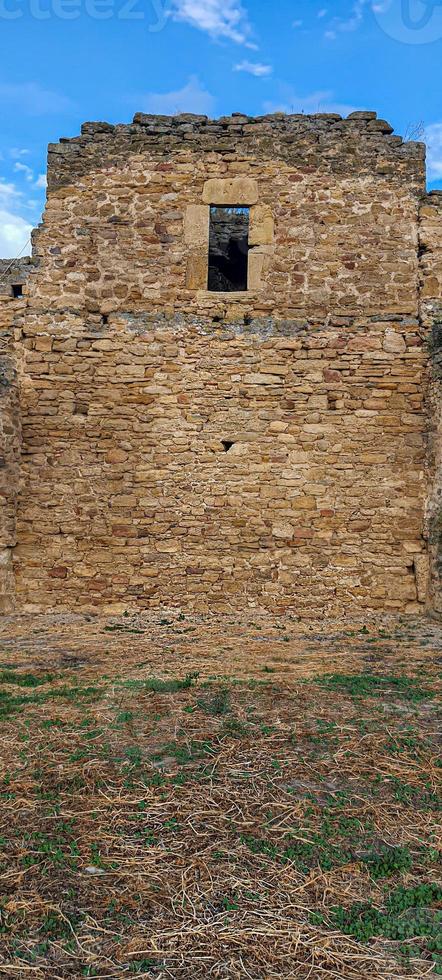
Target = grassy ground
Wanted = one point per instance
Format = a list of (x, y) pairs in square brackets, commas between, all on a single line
[(219, 798)]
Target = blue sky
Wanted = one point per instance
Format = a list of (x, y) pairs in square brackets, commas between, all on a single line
[(66, 61)]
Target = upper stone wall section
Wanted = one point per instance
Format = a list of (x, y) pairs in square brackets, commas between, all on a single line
[(360, 144), (430, 238), (333, 217)]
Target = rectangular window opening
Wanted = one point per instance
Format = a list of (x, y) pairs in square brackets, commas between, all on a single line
[(228, 249), (17, 290)]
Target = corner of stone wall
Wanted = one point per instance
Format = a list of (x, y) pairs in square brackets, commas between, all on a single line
[(430, 253), (10, 446)]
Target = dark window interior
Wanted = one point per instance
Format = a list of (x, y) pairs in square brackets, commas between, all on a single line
[(17, 290), (228, 249)]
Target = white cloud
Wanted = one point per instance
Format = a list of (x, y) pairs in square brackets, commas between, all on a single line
[(219, 18), (14, 230), (433, 139), (193, 97), (14, 235), (297, 23), (16, 152), (356, 16), (254, 68), (8, 192), (27, 172), (347, 24), (321, 101), (40, 182), (32, 99)]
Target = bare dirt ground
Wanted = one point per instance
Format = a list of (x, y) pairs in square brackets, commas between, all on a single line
[(219, 797)]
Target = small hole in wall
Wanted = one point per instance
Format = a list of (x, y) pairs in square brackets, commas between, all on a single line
[(17, 290), (105, 319), (227, 445), (80, 408)]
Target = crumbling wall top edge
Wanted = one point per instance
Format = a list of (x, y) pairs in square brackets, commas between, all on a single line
[(363, 122), (359, 143)]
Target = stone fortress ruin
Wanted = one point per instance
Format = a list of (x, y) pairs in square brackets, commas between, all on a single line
[(220, 372)]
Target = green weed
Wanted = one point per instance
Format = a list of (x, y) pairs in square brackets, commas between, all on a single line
[(25, 680), (388, 861), (369, 685), (218, 704), (10, 704), (142, 966), (235, 728), (158, 686), (407, 915)]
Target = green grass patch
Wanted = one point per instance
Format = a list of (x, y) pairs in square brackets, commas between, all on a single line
[(370, 685), (420, 797), (305, 855), (59, 848), (25, 680), (234, 728), (388, 861), (344, 840), (187, 752), (159, 686), (142, 966), (217, 704), (11, 703), (408, 914)]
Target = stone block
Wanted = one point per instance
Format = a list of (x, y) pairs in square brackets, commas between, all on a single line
[(394, 342), (196, 225), (231, 191), (422, 573), (261, 226), (197, 270)]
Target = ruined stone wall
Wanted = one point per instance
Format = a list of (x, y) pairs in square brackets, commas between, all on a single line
[(12, 272), (431, 319), (10, 440), (182, 447)]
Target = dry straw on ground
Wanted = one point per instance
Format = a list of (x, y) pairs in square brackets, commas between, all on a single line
[(203, 797)]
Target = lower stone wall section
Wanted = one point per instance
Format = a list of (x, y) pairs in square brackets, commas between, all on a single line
[(180, 462), (434, 504)]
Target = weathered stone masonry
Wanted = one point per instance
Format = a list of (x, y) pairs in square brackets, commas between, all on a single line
[(277, 447), (430, 253), (11, 274)]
